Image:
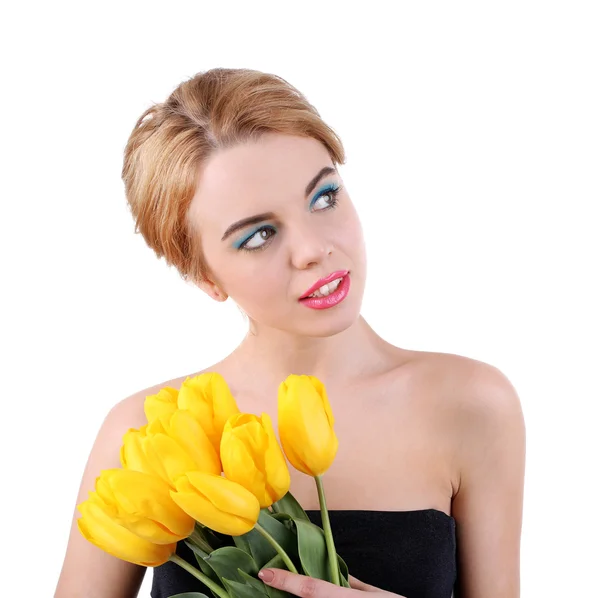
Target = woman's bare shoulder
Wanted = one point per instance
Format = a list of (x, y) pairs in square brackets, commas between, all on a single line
[(450, 368), (87, 569), (453, 386)]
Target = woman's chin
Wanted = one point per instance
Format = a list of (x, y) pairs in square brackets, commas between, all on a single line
[(323, 324)]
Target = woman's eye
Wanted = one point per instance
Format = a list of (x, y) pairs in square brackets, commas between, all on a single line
[(328, 199), (258, 239)]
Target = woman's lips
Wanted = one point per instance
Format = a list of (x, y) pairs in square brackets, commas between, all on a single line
[(332, 299), (333, 276)]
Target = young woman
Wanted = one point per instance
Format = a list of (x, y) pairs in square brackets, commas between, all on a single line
[(234, 181)]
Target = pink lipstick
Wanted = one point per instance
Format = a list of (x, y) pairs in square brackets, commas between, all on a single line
[(333, 298)]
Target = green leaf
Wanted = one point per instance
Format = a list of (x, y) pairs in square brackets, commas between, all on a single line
[(343, 569), (213, 538), (196, 549), (285, 537), (227, 560), (189, 595), (260, 549), (242, 590), (288, 504), (276, 563), (243, 542), (312, 550), (204, 567), (286, 519), (313, 554), (253, 581), (257, 547), (281, 516)]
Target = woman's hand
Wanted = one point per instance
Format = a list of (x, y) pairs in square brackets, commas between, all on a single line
[(308, 587)]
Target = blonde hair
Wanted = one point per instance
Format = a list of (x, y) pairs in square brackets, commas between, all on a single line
[(170, 141)]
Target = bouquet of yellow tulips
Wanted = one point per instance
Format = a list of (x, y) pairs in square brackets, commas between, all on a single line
[(202, 472)]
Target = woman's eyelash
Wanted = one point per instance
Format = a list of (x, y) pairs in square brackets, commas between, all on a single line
[(332, 190), (252, 249)]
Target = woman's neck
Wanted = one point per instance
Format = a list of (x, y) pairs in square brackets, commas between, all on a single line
[(267, 358)]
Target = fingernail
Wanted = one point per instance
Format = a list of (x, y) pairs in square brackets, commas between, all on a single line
[(266, 575)]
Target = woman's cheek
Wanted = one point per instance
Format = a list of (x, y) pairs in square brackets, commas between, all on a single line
[(259, 287)]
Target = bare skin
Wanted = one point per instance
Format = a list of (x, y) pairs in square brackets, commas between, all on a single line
[(404, 417), (417, 430)]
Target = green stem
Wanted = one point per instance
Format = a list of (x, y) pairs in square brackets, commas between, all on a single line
[(275, 508), (333, 560), (209, 583), (277, 547), (198, 539)]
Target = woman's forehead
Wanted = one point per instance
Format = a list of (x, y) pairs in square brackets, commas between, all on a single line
[(257, 173)]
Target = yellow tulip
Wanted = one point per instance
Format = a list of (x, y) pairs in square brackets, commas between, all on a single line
[(216, 502), (169, 449), (162, 404), (208, 397), (143, 504), (252, 457), (306, 424), (133, 456), (98, 526)]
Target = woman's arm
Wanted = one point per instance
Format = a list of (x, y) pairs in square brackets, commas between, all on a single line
[(488, 504), (88, 571)]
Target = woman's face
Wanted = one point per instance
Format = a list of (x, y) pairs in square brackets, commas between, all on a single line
[(300, 226)]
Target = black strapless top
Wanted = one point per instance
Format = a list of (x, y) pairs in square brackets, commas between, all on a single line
[(411, 553)]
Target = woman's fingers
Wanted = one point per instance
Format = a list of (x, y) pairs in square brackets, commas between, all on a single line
[(365, 587), (304, 586), (361, 585), (308, 587)]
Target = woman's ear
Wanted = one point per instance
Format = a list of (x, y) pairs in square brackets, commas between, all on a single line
[(211, 289)]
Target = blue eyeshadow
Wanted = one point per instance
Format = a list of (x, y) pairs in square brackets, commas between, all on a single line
[(322, 190), (241, 241)]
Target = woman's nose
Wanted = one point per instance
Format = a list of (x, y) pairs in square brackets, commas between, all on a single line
[(309, 249)]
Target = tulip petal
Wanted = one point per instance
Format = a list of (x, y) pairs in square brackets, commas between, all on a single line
[(216, 502), (184, 427), (291, 431), (146, 507), (132, 453), (277, 472), (305, 424), (314, 428), (167, 457), (252, 457), (161, 405), (320, 388), (239, 465), (207, 514), (294, 458), (209, 399), (223, 401), (102, 531), (192, 397), (226, 495)]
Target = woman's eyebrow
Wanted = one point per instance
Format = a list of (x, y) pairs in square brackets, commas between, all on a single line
[(313, 183), (269, 215), (246, 222)]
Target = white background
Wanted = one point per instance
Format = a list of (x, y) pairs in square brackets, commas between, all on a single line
[(472, 134)]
